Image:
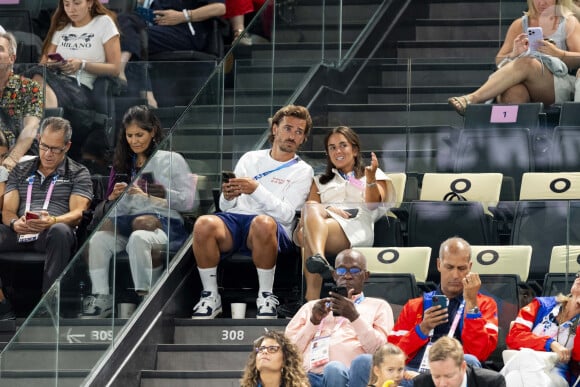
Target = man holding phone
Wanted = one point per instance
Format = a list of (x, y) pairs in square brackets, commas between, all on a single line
[(455, 309), (258, 206), (21, 104), (333, 331)]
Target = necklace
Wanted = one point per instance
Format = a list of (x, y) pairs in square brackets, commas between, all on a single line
[(573, 324)]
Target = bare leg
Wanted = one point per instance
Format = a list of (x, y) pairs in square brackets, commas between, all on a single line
[(125, 57), (237, 23), (515, 94), (210, 238), (50, 99), (263, 241), (527, 71)]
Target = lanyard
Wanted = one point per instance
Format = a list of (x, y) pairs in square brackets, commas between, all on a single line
[(458, 315), (285, 165), (48, 193), (319, 330), (349, 177)]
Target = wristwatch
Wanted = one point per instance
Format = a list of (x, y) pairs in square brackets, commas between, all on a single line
[(12, 221), (474, 310)]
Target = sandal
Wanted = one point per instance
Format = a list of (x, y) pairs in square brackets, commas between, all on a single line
[(459, 104)]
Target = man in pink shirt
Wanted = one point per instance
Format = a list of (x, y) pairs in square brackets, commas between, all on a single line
[(357, 325)]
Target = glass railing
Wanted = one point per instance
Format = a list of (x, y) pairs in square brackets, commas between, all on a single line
[(215, 112)]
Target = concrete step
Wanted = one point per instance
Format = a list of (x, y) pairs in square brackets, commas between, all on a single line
[(416, 94), (462, 29), (448, 49), (47, 357), (177, 357), (436, 73), (331, 13), (72, 331), (313, 31), (463, 9), (224, 378), (42, 378), (393, 114)]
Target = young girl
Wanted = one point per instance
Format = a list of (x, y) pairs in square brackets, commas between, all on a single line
[(389, 367)]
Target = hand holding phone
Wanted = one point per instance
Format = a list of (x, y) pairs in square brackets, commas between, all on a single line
[(352, 212), (227, 175), (32, 215), (441, 300), (343, 291), (535, 36), (55, 56)]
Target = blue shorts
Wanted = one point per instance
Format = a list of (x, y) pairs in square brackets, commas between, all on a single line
[(239, 226)]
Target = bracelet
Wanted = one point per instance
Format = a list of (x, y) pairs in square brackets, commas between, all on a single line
[(373, 184), (504, 61), (83, 65), (186, 14), (327, 207), (54, 219)]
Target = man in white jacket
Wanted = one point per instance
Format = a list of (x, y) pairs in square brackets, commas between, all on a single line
[(259, 206)]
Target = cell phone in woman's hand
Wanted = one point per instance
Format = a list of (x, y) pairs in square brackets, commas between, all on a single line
[(535, 36), (352, 212), (55, 56)]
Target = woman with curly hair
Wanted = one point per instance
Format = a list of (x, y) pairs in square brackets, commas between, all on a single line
[(274, 362)]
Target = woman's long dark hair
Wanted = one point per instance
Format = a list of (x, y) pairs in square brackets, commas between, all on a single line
[(353, 139), (60, 19), (144, 118)]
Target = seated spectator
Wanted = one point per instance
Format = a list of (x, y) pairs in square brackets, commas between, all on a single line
[(448, 368), (470, 316), (86, 39), (341, 208), (21, 105), (235, 11), (389, 365), (533, 76), (147, 217), (3, 171), (259, 207), (45, 199), (273, 362), (175, 25), (357, 325), (547, 324)]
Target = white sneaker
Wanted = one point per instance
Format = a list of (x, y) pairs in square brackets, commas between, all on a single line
[(97, 306), (267, 303), (208, 307)]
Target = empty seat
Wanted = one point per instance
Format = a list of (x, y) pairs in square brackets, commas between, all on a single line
[(481, 187), (543, 224), (564, 264), (555, 185), (570, 114), (391, 260), (564, 155), (383, 285), (506, 150), (502, 260), (432, 222), (487, 116)]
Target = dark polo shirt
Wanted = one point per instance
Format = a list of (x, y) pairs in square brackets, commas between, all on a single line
[(73, 179)]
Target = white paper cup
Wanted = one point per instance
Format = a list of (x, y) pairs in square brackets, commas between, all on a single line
[(126, 310), (238, 310)]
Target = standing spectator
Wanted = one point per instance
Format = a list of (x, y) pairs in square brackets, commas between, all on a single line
[(470, 316), (357, 325), (147, 217), (21, 104), (259, 207), (81, 44), (45, 199), (274, 362), (449, 369)]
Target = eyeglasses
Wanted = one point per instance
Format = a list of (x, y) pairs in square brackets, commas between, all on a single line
[(269, 348), (53, 149), (343, 270)]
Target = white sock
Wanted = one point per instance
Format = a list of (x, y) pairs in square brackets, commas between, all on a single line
[(266, 279), (209, 279), (577, 90)]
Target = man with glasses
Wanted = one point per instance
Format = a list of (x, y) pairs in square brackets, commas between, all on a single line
[(332, 331), (45, 199), (469, 316), (21, 104)]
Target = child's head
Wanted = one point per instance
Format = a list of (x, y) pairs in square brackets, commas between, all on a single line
[(388, 364)]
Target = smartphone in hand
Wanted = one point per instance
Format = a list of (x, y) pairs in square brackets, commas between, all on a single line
[(343, 291), (55, 56), (441, 300), (227, 175), (535, 36), (32, 215), (352, 212)]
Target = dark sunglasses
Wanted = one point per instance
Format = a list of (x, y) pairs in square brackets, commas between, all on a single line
[(343, 270)]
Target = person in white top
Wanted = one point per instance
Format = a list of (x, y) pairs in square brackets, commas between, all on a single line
[(343, 204), (82, 43), (259, 206)]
